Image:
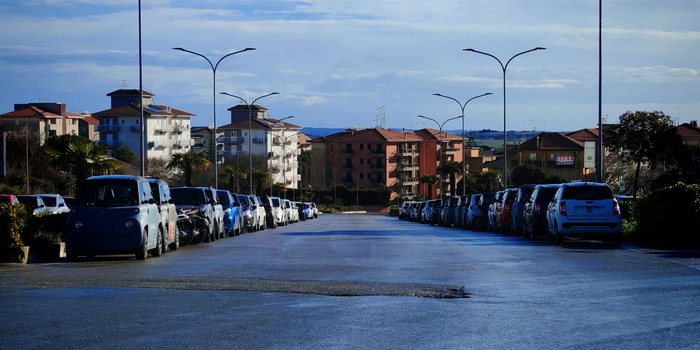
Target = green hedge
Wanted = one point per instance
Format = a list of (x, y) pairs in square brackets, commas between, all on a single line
[(17, 227), (669, 217)]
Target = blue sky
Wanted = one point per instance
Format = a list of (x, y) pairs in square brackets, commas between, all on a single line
[(335, 63)]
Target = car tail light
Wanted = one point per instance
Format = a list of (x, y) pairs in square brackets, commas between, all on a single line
[(616, 207), (536, 207), (562, 208)]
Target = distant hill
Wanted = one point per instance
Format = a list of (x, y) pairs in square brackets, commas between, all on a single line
[(490, 136)]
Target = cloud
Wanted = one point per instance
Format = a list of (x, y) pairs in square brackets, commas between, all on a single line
[(313, 100)]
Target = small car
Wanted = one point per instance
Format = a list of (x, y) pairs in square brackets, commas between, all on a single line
[(404, 210), (584, 210), (535, 211), (523, 195), (233, 220), (185, 197), (34, 204), (8, 199), (218, 211), (474, 212), (55, 204), (114, 214), (249, 220), (258, 209), (313, 209), (168, 213), (491, 214)]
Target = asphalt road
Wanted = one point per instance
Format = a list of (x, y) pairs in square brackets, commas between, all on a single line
[(360, 282)]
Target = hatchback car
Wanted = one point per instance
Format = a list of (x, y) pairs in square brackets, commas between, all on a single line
[(55, 204), (249, 220), (535, 211), (34, 204), (213, 198), (473, 211), (491, 214), (584, 210), (447, 211), (233, 221), (522, 196), (114, 214), (185, 197), (257, 208), (168, 213), (8, 199)]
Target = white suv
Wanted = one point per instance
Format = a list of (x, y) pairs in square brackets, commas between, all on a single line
[(584, 210)]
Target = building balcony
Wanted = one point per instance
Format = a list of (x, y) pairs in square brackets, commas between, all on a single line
[(109, 143), (228, 153), (407, 152), (163, 128), (160, 144), (409, 181), (179, 128), (450, 150), (230, 140), (407, 167), (258, 140), (108, 128)]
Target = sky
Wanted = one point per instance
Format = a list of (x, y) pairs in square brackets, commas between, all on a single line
[(342, 63)]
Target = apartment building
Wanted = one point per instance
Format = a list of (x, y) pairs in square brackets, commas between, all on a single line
[(276, 139), (384, 158), (166, 129), (48, 119)]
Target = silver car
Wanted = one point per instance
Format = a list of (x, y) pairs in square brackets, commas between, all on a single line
[(258, 210), (55, 204), (168, 214)]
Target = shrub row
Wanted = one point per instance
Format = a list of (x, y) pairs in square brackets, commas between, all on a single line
[(17, 227)]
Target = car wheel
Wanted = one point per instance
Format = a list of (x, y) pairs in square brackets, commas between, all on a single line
[(142, 251), (158, 250)]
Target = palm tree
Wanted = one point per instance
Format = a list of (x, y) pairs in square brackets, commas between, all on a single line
[(450, 169), (83, 158), (186, 162), (430, 180), (261, 177), (232, 173)]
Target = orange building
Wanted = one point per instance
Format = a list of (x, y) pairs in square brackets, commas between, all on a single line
[(385, 158)]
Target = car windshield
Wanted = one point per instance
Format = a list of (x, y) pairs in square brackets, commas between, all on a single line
[(49, 201), (526, 193), (191, 196), (276, 202), (108, 193), (223, 198), (589, 193), (488, 198), (28, 201), (243, 199)]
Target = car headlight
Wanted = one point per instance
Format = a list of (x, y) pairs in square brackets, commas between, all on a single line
[(78, 224), (129, 224)]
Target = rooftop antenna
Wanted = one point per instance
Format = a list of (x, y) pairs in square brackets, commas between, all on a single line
[(380, 118)]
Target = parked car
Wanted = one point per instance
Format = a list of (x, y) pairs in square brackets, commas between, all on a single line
[(167, 212), (474, 213), (114, 214), (70, 201), (196, 196), (55, 204), (233, 220), (35, 205), (535, 211), (249, 219), (447, 211), (218, 211), (415, 210), (8, 199), (313, 210), (483, 221), (522, 196), (278, 214), (291, 211), (584, 210), (302, 210), (491, 213), (405, 210), (461, 211), (258, 210)]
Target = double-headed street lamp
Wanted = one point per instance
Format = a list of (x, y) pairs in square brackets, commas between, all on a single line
[(213, 69), (439, 141), (250, 132), (464, 157), (505, 130)]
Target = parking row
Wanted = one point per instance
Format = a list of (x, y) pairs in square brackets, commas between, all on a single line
[(582, 210)]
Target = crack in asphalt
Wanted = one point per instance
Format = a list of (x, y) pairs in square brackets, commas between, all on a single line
[(325, 288)]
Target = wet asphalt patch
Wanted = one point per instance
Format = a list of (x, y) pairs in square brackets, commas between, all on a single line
[(326, 288)]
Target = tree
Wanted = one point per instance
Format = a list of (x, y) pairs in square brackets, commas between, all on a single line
[(643, 137), (430, 180), (233, 174), (260, 178), (186, 162), (125, 154), (83, 158), (451, 169)]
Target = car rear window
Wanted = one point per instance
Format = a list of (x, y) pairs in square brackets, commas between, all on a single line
[(223, 198), (587, 193), (49, 201), (546, 193), (488, 198), (5, 199), (184, 196)]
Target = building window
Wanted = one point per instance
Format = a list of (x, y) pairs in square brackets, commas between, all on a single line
[(362, 176), (362, 146), (362, 160), (369, 147)]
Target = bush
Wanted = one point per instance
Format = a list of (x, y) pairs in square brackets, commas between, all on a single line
[(13, 219), (45, 228), (670, 216)]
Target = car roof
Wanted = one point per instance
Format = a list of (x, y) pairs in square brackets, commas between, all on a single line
[(116, 177)]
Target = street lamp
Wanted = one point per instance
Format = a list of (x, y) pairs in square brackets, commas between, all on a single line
[(213, 69), (250, 132), (440, 141), (505, 131), (464, 157)]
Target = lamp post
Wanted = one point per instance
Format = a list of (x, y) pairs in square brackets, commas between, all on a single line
[(505, 130), (250, 132), (464, 157), (213, 69), (440, 141)]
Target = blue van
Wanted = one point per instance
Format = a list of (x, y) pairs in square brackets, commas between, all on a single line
[(114, 214)]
